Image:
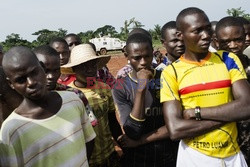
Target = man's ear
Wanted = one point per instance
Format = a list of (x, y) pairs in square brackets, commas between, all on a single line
[(216, 42), (162, 41), (10, 84), (126, 54)]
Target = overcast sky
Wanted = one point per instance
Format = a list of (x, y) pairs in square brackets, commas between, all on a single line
[(25, 17)]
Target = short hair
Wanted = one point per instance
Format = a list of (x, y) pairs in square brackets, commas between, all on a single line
[(141, 31), (228, 22), (15, 54), (168, 25), (57, 39), (243, 20), (45, 50), (138, 38), (73, 35), (185, 12)]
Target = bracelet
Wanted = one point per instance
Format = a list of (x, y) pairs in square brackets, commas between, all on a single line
[(197, 112), (139, 120)]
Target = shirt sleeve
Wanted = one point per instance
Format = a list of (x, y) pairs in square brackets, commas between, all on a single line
[(235, 68), (88, 131), (169, 85), (132, 127), (8, 156), (124, 106)]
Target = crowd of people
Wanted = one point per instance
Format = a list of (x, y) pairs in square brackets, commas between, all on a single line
[(60, 105)]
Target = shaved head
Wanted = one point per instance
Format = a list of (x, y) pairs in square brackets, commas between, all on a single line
[(18, 57), (187, 12)]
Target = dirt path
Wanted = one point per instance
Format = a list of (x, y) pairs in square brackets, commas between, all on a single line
[(117, 62)]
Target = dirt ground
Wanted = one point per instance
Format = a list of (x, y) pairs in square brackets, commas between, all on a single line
[(116, 62)]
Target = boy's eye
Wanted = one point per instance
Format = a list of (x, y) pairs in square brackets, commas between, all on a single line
[(21, 80), (137, 57), (196, 31)]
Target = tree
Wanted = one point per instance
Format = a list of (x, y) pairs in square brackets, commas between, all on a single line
[(85, 36), (238, 12), (15, 40), (136, 24), (129, 25), (45, 35), (156, 32), (106, 30)]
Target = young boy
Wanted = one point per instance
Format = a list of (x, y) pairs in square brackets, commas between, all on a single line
[(48, 128), (145, 141), (72, 40), (124, 71), (173, 45), (85, 63), (230, 36), (61, 46)]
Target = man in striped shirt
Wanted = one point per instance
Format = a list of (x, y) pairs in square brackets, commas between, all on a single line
[(48, 128)]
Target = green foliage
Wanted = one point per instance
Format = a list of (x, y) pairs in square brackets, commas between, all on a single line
[(128, 26), (45, 35), (156, 32), (106, 30), (85, 36), (15, 40), (157, 44), (238, 12)]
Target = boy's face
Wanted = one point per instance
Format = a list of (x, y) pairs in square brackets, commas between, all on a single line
[(51, 66), (27, 77), (172, 43), (72, 42), (140, 55), (196, 33), (232, 39), (63, 50), (84, 70)]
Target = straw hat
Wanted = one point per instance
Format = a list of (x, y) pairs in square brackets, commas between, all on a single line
[(84, 53)]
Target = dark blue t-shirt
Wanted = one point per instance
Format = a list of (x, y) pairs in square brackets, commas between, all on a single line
[(158, 153)]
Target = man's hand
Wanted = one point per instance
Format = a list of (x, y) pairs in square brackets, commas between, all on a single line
[(125, 141), (188, 114), (143, 77), (145, 74)]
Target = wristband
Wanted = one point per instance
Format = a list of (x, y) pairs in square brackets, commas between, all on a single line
[(139, 120), (197, 112)]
